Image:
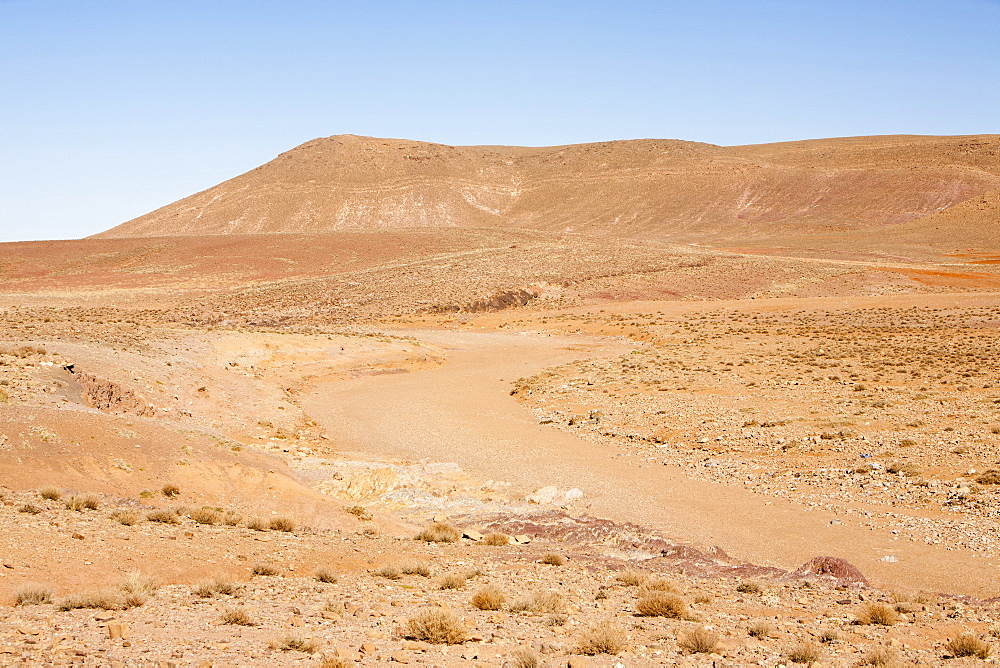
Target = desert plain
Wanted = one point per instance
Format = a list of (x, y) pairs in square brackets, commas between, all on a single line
[(633, 403)]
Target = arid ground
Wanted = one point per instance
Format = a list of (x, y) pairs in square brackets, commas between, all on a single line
[(636, 403)]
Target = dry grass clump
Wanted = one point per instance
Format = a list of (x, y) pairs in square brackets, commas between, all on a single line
[(205, 515), (656, 603), (29, 508), (496, 538), (804, 652), (551, 602), (257, 524), (389, 572), (968, 645), (488, 598), (326, 576), (437, 626), (828, 636), (553, 559), (297, 643), (123, 516), (211, 587), (50, 493), (602, 638), (137, 587), (760, 629), (32, 594), (439, 532), (264, 569), (701, 640), (282, 523), (749, 588), (453, 581), (104, 599), (879, 614), (525, 658), (236, 617), (415, 568), (80, 503), (231, 518), (163, 516), (170, 490), (909, 469), (633, 578), (335, 662), (881, 657)]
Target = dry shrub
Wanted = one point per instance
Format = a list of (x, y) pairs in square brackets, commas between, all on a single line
[(335, 662), (138, 584), (236, 616), (602, 638), (211, 587), (29, 508), (415, 568), (231, 518), (163, 516), (50, 493), (760, 629), (358, 511), (435, 625), (293, 642), (453, 581), (828, 635), (660, 584), (439, 532), (257, 524), (968, 645), (389, 572), (79, 502), (881, 657), (877, 613), (264, 569), (749, 588), (553, 559), (496, 539), (909, 469), (551, 602), (488, 598), (170, 490), (326, 575), (104, 599), (655, 603), (282, 523), (126, 517), (32, 594), (525, 658), (633, 578), (701, 640), (804, 652), (205, 515)]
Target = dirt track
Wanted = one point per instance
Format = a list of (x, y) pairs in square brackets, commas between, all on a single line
[(461, 412)]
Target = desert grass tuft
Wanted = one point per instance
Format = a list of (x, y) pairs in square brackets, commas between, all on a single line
[(104, 599), (602, 638), (760, 629), (749, 587), (29, 508), (453, 581), (525, 658), (282, 523), (968, 645), (50, 493), (496, 539), (656, 603), (137, 584), (211, 587), (701, 640), (632, 578), (389, 572), (264, 569), (236, 617), (124, 516), (32, 594), (439, 532), (163, 516), (170, 490), (551, 602), (660, 584), (421, 568), (326, 575), (205, 515), (257, 524), (553, 559), (804, 652), (881, 657), (335, 662), (437, 626), (297, 643), (488, 598), (878, 614)]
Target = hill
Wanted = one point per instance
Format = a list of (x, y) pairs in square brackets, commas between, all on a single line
[(650, 189)]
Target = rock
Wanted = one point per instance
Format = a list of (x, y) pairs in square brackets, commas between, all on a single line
[(440, 518), (472, 534), (399, 656), (368, 648), (544, 495), (577, 662), (573, 494), (522, 539), (416, 646), (834, 567), (329, 614), (117, 630)]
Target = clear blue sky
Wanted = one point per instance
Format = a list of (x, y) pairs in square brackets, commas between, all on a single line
[(109, 109)]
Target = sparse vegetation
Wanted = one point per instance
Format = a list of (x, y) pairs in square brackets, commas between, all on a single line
[(881, 657), (170, 490), (439, 532), (389, 572), (358, 511), (878, 614), (553, 559), (257, 524), (453, 581), (602, 638), (525, 658), (297, 643), (264, 569), (214, 586), (29, 508), (760, 629), (205, 515), (236, 616), (163, 516), (326, 575), (282, 523), (488, 598), (657, 603), (421, 568), (701, 640), (437, 626), (968, 645), (804, 652), (496, 539), (50, 493), (104, 599), (749, 588), (124, 516), (540, 602), (32, 594)]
